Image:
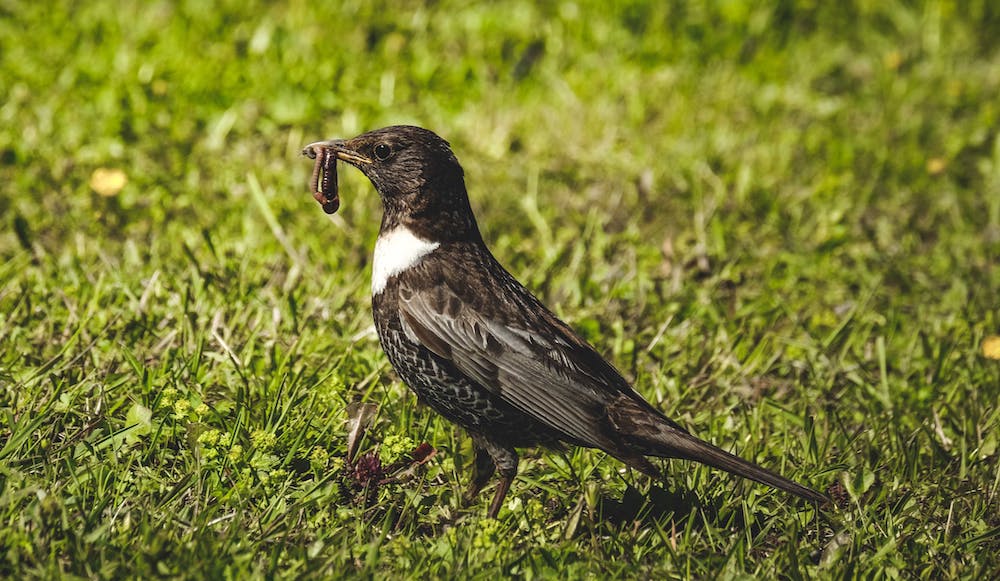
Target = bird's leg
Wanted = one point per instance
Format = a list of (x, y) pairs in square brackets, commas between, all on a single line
[(492, 456), (502, 487), (506, 463), (482, 471)]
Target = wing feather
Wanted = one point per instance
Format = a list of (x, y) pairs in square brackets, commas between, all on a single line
[(534, 373)]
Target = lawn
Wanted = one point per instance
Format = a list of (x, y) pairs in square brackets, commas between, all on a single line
[(780, 221)]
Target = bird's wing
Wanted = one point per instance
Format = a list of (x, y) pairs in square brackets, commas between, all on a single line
[(540, 366)]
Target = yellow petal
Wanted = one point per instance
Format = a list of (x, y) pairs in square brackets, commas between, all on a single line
[(991, 347), (936, 165), (107, 181)]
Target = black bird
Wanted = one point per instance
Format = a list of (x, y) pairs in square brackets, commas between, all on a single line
[(476, 345)]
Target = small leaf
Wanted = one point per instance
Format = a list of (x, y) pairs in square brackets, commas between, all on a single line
[(423, 453), (138, 422), (859, 483), (989, 446), (991, 347), (573, 522), (936, 165), (359, 417), (108, 182), (835, 549)]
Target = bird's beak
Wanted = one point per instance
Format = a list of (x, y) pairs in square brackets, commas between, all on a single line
[(339, 148)]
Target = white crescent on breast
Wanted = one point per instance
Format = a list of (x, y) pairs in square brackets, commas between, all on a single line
[(396, 251)]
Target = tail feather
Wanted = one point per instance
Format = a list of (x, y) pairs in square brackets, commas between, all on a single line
[(676, 444), (646, 431)]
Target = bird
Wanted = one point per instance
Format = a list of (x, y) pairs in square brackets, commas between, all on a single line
[(477, 346)]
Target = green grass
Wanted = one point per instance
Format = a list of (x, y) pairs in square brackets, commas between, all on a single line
[(782, 222)]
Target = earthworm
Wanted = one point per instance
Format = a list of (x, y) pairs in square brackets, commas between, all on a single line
[(324, 187)]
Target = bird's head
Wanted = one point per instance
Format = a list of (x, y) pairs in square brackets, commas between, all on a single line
[(414, 171)]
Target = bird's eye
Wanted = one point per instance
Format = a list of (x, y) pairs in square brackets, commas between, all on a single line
[(382, 151)]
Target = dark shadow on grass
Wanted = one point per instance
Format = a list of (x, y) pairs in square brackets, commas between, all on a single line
[(657, 506), (661, 507)]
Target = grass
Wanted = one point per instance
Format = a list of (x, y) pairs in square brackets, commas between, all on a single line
[(781, 221)]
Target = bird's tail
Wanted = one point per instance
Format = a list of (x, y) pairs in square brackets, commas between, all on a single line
[(658, 436), (678, 444)]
